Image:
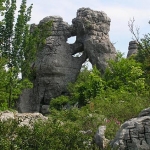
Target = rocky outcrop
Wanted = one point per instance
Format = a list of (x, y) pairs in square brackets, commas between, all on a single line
[(99, 138), (91, 29), (133, 48), (134, 134), (55, 66), (23, 119)]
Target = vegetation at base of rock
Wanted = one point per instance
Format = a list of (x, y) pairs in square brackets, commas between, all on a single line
[(108, 105), (63, 129)]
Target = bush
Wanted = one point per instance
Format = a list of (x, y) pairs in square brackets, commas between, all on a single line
[(88, 85), (51, 135), (126, 74), (59, 102)]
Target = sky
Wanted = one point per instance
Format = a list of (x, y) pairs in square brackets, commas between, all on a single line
[(120, 12)]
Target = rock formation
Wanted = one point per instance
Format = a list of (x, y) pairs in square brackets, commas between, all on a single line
[(91, 29), (55, 66), (133, 48), (23, 119), (134, 134), (99, 138)]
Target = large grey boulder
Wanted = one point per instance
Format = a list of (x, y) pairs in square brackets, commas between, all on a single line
[(92, 28), (134, 134)]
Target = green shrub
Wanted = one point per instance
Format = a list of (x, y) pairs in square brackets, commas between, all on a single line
[(88, 85), (59, 102), (125, 74)]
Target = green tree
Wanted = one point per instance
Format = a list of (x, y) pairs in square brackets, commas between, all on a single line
[(125, 74), (3, 84), (11, 41), (18, 45), (2, 8)]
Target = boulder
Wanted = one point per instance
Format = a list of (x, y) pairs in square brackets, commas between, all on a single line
[(100, 139), (134, 134), (24, 119), (5, 115), (45, 109)]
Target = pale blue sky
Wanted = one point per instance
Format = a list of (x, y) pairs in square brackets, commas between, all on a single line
[(120, 12)]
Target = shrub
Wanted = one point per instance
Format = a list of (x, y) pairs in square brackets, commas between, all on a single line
[(125, 74), (88, 85), (59, 102)]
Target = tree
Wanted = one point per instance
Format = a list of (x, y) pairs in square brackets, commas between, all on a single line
[(18, 45), (125, 74), (12, 39), (2, 8)]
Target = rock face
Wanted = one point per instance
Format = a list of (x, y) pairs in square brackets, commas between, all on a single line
[(55, 66), (133, 48), (91, 28), (134, 134), (25, 102)]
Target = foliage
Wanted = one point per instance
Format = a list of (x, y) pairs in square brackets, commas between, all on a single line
[(18, 46), (143, 54), (3, 84), (34, 40), (66, 129), (2, 7), (51, 135), (125, 74), (88, 85), (59, 102), (11, 44)]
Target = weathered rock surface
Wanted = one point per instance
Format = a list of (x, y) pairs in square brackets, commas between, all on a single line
[(27, 119), (133, 48), (26, 102), (55, 66), (100, 139), (134, 134), (91, 29)]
